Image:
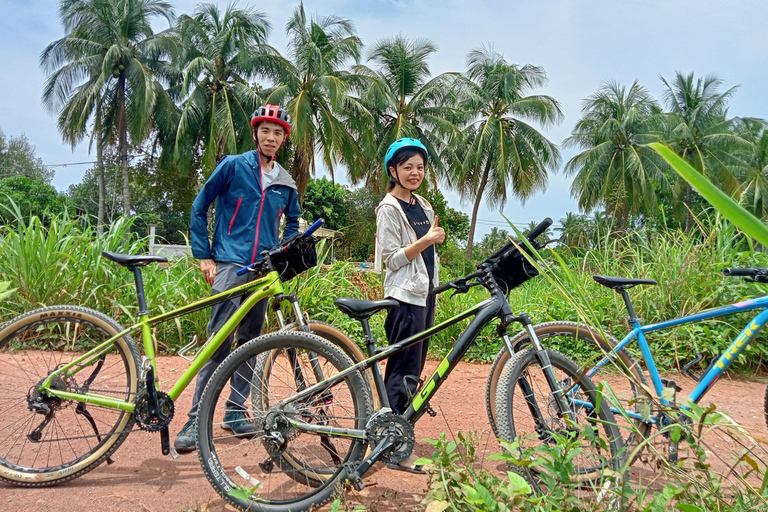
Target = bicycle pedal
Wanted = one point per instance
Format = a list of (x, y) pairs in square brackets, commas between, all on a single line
[(174, 453), (429, 410), (353, 476)]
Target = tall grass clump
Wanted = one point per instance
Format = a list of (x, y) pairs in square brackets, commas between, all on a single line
[(688, 270)]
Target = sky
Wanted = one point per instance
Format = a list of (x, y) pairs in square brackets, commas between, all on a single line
[(580, 44)]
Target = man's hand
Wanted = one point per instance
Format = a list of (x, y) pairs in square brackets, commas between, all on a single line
[(436, 234), (208, 268)]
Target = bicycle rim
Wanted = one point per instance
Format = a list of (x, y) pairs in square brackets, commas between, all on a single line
[(625, 376)]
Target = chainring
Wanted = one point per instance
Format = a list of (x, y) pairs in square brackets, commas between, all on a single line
[(381, 426), (165, 409)]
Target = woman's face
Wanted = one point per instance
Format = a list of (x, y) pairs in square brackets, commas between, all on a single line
[(410, 173)]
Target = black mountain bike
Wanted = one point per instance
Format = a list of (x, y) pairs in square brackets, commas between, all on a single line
[(314, 412)]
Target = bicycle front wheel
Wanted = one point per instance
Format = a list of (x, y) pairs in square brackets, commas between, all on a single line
[(44, 439), (282, 467), (624, 375), (528, 407)]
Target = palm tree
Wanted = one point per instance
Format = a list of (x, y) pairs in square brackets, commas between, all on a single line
[(315, 89), (109, 44), (616, 168), (495, 240), (700, 132), (752, 169), (501, 151), (219, 53), (405, 102), (574, 230)]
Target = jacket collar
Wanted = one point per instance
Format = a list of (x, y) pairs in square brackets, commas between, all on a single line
[(283, 177), (392, 201)]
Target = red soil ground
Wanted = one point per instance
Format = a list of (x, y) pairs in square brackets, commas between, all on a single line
[(141, 479)]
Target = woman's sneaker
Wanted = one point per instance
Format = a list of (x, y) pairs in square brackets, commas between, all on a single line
[(238, 422), (187, 439)]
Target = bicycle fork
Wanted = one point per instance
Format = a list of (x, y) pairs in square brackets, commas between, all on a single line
[(554, 385)]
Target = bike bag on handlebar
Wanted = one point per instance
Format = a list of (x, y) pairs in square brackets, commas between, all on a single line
[(511, 268), (298, 255)]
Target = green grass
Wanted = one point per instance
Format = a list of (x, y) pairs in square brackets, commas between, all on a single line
[(61, 263)]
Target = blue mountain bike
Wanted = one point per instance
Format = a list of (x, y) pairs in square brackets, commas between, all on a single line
[(663, 408)]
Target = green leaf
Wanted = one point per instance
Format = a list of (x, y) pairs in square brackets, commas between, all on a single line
[(688, 508), (675, 434), (519, 483), (730, 209)]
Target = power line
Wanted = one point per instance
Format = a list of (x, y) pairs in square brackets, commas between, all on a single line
[(72, 163)]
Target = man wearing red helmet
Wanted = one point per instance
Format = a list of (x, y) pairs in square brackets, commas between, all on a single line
[(252, 192)]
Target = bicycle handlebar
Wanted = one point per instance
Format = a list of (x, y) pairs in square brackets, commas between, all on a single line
[(542, 227), (461, 284), (284, 247), (458, 284), (314, 227), (739, 271)]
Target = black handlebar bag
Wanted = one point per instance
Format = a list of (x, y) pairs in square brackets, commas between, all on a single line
[(510, 267), (300, 256)]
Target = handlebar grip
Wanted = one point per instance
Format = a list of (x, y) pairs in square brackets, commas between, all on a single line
[(441, 288), (243, 270), (739, 271), (314, 227), (542, 227)]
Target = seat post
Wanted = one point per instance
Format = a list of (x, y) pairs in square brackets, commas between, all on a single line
[(140, 289), (633, 318), (370, 345)]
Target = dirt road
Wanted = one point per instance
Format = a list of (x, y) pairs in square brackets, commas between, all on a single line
[(141, 479)]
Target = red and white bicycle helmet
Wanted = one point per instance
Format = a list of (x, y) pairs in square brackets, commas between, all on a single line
[(273, 114)]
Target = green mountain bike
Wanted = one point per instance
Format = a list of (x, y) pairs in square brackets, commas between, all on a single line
[(75, 384)]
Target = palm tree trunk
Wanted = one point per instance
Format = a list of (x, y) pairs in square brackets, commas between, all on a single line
[(476, 207), (123, 145), (100, 175), (301, 172)]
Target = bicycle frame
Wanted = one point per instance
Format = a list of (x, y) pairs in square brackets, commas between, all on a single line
[(716, 370), (483, 313), (266, 286)]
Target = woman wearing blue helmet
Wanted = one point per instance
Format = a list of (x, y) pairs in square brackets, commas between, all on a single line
[(406, 233)]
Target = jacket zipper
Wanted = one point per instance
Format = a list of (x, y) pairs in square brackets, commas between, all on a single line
[(258, 223), (277, 221), (239, 201)]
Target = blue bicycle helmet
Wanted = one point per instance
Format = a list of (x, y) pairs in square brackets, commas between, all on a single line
[(405, 142)]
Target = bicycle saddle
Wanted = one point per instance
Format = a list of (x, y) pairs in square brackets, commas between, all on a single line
[(360, 309), (132, 260), (617, 282)]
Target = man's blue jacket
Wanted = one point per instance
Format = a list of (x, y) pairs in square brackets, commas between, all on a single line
[(247, 221)]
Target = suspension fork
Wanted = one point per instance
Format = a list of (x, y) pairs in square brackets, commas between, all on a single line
[(549, 373)]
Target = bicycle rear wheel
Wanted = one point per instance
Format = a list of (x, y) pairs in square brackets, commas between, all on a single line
[(45, 440), (528, 406), (282, 467), (625, 376)]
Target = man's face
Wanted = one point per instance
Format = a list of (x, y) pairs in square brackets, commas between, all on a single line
[(269, 137)]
